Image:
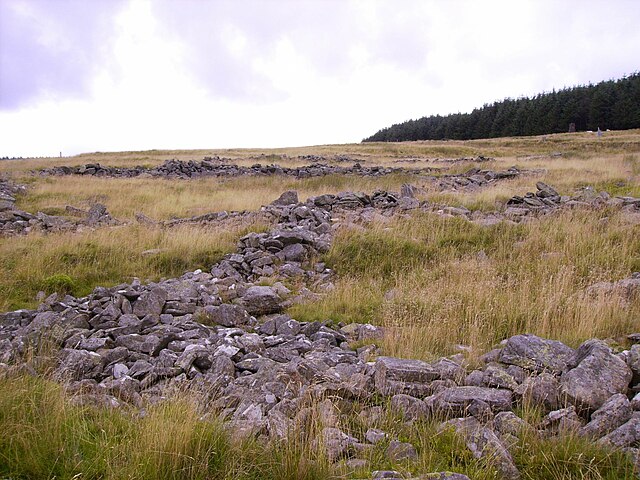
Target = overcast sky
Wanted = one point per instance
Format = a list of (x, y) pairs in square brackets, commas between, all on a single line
[(111, 75)]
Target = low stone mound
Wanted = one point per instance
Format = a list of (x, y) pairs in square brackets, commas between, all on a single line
[(14, 221)]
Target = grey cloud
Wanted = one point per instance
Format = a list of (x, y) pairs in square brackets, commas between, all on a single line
[(51, 47)]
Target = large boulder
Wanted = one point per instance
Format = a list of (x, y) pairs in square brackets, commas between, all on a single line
[(597, 376), (536, 354)]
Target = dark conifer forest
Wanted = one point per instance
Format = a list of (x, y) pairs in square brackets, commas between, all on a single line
[(612, 104)]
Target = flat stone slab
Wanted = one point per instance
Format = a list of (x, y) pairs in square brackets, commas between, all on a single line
[(411, 377)]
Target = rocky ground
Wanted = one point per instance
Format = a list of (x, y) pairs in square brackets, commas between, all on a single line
[(217, 167), (223, 334), (14, 221)]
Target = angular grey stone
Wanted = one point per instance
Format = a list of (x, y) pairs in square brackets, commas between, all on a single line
[(227, 315), (562, 421), (510, 423), (262, 300), (497, 377), (598, 375), (540, 391), (336, 443), (411, 377), (444, 476), (613, 413), (485, 444), (289, 197), (409, 407), (449, 370), (148, 344), (295, 253), (625, 435), (150, 302), (456, 400), (633, 360), (78, 364), (545, 191), (536, 354), (392, 474), (399, 451), (374, 435)]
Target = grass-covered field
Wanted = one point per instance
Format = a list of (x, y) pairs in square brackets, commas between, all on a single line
[(435, 283)]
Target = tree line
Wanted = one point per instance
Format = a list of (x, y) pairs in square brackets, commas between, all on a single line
[(612, 104)]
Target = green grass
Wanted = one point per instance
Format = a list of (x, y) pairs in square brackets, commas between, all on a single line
[(44, 436), (76, 263)]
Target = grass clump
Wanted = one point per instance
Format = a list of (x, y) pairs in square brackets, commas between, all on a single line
[(59, 283), (78, 262)]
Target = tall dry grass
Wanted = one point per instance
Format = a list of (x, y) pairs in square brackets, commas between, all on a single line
[(164, 199), (435, 282), (47, 433), (107, 256)]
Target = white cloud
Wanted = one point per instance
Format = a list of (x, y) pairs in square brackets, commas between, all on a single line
[(226, 74)]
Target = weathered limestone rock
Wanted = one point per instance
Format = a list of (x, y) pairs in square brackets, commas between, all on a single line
[(396, 376), (540, 390), (409, 407), (78, 364), (399, 451), (261, 300), (597, 376), (444, 476), (536, 354), (336, 443), (625, 435), (374, 435), (562, 421), (484, 443), (456, 401), (289, 197), (150, 302), (227, 315), (510, 423), (613, 413)]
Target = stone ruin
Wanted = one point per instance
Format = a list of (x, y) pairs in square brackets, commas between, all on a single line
[(225, 335)]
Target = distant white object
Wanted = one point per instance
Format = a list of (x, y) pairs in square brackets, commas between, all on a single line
[(589, 131)]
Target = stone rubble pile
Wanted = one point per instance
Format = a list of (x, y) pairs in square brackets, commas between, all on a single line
[(193, 169), (226, 336), (547, 199), (14, 221), (474, 178)]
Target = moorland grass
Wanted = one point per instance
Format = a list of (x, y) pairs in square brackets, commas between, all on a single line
[(438, 282), (433, 282), (163, 199), (76, 263), (48, 434)]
